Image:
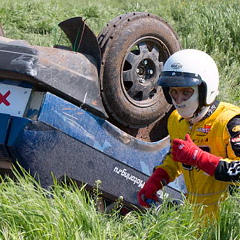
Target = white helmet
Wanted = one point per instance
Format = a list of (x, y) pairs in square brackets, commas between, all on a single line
[(188, 68)]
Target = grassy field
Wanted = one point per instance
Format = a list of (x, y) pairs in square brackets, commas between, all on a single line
[(205, 25), (29, 212)]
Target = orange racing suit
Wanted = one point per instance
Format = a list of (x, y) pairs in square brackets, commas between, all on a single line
[(217, 133)]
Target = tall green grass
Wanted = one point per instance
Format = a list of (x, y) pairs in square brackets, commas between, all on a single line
[(68, 212), (206, 25)]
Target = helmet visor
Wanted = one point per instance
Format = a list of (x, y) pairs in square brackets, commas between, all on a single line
[(179, 79)]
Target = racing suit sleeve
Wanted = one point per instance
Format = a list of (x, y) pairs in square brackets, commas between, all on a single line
[(229, 170), (171, 167), (161, 176)]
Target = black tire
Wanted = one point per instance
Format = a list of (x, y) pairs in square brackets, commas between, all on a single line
[(134, 47)]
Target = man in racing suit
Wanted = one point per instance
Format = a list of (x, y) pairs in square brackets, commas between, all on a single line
[(204, 133)]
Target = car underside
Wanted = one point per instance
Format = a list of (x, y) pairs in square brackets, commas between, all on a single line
[(89, 111)]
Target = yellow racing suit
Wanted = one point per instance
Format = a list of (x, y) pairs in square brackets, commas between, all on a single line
[(212, 135)]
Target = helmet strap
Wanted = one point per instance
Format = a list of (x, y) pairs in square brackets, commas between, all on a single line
[(199, 114)]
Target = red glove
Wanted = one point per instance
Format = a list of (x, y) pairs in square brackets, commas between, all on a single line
[(158, 179), (185, 151)]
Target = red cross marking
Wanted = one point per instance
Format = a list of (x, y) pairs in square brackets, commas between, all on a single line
[(3, 98)]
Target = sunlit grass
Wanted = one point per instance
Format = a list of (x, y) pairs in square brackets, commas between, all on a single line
[(205, 25), (28, 211)]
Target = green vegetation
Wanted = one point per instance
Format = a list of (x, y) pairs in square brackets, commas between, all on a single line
[(29, 212), (68, 212), (205, 25)]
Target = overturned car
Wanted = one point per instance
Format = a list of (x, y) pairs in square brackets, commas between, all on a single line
[(92, 111)]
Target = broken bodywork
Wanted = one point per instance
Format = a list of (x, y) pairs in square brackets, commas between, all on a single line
[(54, 122)]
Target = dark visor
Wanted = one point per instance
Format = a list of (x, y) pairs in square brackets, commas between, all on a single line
[(179, 79)]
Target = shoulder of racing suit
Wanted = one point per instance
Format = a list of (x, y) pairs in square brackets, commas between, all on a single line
[(230, 170)]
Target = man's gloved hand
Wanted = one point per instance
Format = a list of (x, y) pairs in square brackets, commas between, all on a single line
[(153, 184), (185, 151)]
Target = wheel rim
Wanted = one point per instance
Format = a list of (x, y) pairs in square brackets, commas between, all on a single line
[(141, 69)]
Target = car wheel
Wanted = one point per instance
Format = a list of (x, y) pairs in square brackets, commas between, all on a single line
[(134, 47)]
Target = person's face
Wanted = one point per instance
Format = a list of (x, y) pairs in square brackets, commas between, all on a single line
[(181, 94)]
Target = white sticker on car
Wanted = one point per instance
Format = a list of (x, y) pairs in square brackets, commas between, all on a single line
[(13, 99)]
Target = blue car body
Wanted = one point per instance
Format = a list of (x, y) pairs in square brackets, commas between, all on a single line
[(67, 134)]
